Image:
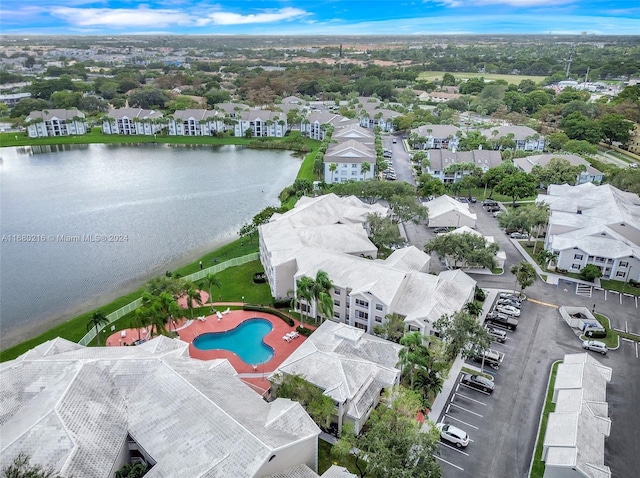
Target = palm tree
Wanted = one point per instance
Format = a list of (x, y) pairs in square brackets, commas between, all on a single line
[(322, 285), (140, 320), (414, 355), (365, 167), (97, 320), (209, 281), (473, 308), (168, 308), (304, 292), (332, 168), (193, 295)]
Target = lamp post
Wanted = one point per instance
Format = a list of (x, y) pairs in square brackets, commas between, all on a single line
[(243, 301)]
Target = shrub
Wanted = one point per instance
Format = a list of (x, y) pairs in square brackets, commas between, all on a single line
[(282, 303), (480, 294), (304, 331), (258, 308), (596, 334), (590, 272)]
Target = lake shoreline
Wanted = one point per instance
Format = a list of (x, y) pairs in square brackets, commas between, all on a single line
[(30, 331)]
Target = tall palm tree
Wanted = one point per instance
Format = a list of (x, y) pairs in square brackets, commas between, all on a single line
[(414, 355), (322, 285), (332, 168), (193, 295), (365, 167), (97, 320), (140, 319), (209, 281), (304, 291), (168, 308), (473, 308)]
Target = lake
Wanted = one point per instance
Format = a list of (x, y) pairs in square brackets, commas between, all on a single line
[(80, 225)]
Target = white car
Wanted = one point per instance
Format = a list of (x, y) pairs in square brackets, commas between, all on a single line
[(509, 310), (595, 346), (453, 435)]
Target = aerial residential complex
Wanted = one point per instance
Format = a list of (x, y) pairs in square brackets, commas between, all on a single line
[(597, 225), (328, 233)]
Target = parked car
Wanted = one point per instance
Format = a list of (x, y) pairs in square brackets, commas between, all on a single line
[(515, 303), (394, 141), (595, 346), (441, 230), (519, 235), (492, 358), (391, 177), (508, 310), (464, 200), (472, 199), (489, 202), (501, 320), (478, 382), (510, 295), (495, 208), (498, 335), (453, 435)]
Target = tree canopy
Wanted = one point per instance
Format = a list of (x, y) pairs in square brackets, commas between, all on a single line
[(462, 334), (518, 185), (466, 249), (319, 407)]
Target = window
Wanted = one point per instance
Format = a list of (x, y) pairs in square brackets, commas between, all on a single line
[(378, 319), (620, 274), (575, 266), (336, 315), (577, 257), (354, 165), (624, 264), (337, 291), (378, 306), (336, 303), (362, 315), (354, 173), (362, 303)]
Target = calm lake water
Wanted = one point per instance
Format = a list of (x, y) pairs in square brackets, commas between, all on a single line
[(81, 224)]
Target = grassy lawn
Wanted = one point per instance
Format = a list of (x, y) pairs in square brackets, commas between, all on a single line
[(612, 336), (515, 79), (497, 271), (479, 194), (537, 469), (619, 286), (96, 136), (325, 460)]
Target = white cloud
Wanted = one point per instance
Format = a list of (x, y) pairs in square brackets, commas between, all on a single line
[(229, 18), (512, 3), (121, 17)]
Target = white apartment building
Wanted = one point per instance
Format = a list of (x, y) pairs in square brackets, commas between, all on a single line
[(133, 121), (56, 122)]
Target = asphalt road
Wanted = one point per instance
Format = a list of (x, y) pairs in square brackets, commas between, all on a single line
[(504, 426)]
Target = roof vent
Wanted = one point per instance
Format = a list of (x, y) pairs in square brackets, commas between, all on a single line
[(579, 211)]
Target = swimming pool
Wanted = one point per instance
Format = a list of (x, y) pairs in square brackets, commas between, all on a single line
[(246, 341)]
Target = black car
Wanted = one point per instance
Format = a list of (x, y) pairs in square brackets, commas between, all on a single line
[(501, 320), (441, 230), (495, 208), (472, 199), (512, 302), (489, 202), (478, 382)]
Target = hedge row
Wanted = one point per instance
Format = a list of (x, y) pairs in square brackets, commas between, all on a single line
[(259, 308)]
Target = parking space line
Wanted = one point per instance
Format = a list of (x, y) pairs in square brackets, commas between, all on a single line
[(466, 410), (448, 462), (453, 448), (461, 421), (472, 399), (636, 349)]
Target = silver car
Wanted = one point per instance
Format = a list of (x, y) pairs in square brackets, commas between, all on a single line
[(595, 346), (453, 435)]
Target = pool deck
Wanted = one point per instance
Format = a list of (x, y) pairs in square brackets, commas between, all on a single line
[(254, 376)]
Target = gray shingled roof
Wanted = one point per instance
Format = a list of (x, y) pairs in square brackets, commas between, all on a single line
[(60, 114), (73, 407), (133, 113)]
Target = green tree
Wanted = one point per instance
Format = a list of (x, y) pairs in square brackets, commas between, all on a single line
[(578, 126), (615, 127), (97, 320), (463, 334), (448, 80), (392, 329), (365, 167), (382, 231), (215, 97), (148, 98), (517, 186), (492, 177), (590, 272), (557, 171), (556, 141), (192, 294), (413, 355), (525, 274), (128, 470), (406, 208), (332, 169), (21, 468), (466, 249), (27, 105), (304, 292), (430, 186), (393, 444), (319, 407), (208, 282), (627, 179), (321, 289)]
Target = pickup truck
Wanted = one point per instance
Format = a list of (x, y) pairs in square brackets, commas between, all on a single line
[(501, 320), (492, 358)]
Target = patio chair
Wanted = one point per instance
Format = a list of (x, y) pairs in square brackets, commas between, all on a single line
[(287, 338), (219, 314), (227, 311), (123, 333)]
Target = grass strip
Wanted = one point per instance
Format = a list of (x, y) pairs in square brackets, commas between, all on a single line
[(537, 465)]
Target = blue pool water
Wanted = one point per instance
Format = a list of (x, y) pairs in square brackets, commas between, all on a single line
[(246, 341)]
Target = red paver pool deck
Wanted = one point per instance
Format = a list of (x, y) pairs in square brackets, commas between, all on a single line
[(257, 381)]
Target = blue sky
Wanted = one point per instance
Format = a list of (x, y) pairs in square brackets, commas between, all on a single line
[(319, 17)]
